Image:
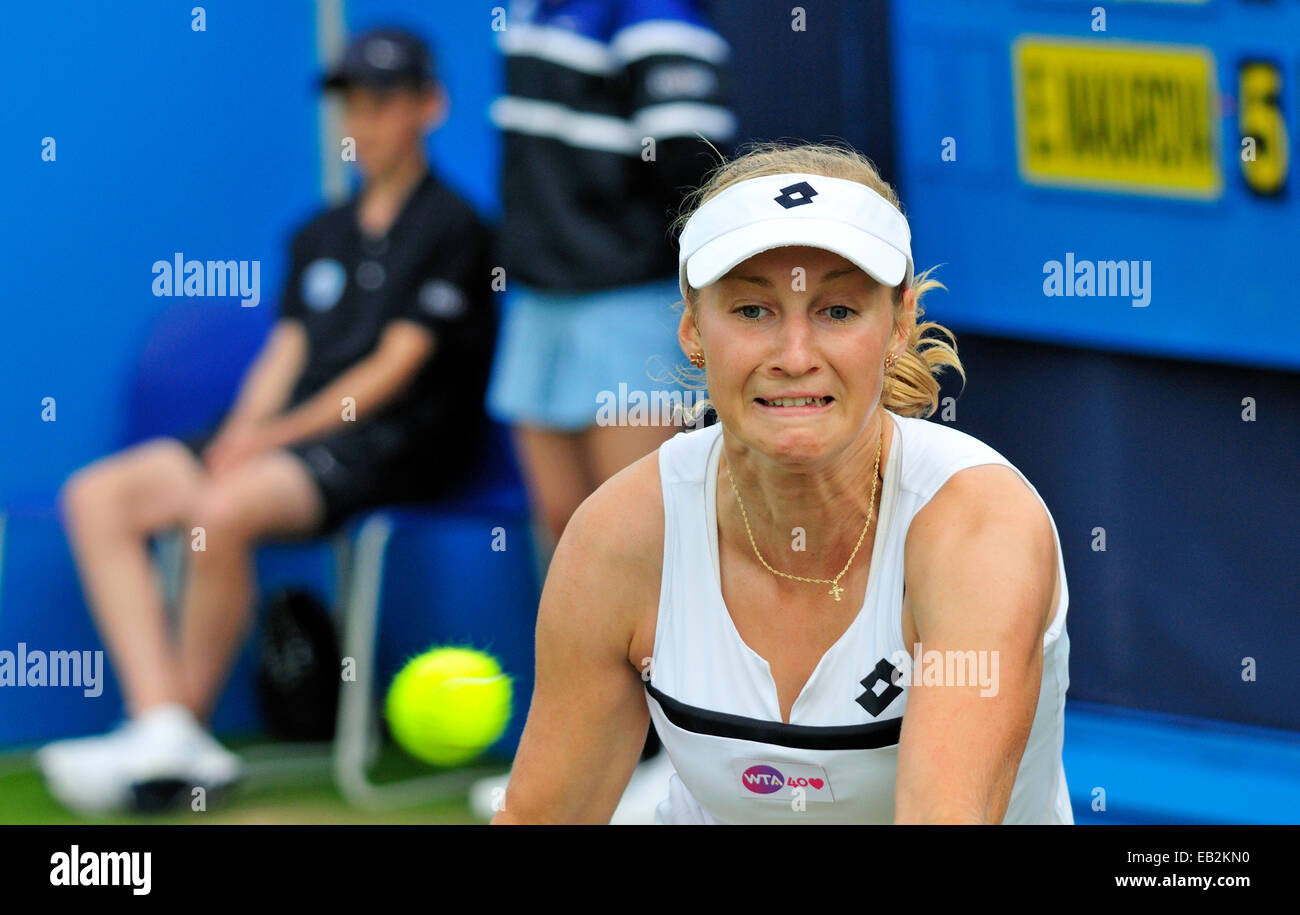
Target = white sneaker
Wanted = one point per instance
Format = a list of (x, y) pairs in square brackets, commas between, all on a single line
[(141, 764), (647, 787)]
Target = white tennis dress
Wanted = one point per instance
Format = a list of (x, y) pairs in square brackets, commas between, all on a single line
[(713, 699)]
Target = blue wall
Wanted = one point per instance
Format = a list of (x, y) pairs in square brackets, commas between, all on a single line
[(167, 140)]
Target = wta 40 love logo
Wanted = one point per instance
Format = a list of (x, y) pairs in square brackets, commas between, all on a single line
[(766, 780)]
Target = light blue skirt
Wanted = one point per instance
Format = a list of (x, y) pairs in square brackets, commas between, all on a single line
[(560, 356)]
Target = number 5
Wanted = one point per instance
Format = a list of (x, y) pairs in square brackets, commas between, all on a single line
[(1259, 117)]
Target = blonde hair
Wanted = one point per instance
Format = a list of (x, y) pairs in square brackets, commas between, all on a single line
[(911, 386)]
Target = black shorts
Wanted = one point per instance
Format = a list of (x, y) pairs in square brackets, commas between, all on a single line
[(372, 464)]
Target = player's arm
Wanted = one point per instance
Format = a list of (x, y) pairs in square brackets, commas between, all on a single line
[(269, 381), (371, 383), (588, 720), (981, 567)]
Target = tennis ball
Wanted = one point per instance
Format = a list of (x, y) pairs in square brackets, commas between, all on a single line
[(448, 705)]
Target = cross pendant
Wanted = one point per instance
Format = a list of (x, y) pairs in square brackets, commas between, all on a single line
[(836, 590)]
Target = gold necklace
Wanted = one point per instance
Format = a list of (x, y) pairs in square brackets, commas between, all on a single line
[(835, 589)]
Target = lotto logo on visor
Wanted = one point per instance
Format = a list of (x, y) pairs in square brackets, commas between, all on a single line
[(796, 195), (776, 211)]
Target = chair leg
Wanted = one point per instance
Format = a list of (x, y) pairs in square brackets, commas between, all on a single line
[(343, 567), (357, 723)]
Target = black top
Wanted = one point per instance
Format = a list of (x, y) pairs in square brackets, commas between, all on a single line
[(588, 201), (433, 267)]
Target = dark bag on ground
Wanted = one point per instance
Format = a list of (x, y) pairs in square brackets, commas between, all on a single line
[(298, 668)]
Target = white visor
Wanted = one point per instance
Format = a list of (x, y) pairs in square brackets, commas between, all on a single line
[(777, 211)]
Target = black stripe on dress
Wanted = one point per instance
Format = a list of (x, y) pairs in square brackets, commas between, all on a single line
[(870, 736)]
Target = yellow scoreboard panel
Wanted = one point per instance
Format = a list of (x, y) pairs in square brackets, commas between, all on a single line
[(1128, 116)]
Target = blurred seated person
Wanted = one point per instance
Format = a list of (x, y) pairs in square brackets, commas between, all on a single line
[(368, 391)]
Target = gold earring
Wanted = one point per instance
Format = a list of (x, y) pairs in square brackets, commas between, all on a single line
[(697, 360), (890, 360)]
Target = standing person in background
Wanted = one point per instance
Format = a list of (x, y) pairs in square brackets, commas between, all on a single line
[(603, 115), (606, 114)]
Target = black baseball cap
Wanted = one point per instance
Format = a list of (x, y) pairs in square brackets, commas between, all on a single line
[(383, 59)]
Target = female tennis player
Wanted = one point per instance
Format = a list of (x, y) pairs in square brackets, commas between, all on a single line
[(833, 610)]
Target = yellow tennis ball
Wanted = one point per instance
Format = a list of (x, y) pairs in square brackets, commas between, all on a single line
[(448, 705)]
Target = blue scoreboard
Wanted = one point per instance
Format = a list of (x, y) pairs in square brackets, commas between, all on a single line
[(1106, 174)]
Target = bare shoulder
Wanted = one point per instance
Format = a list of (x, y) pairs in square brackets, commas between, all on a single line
[(612, 547), (985, 529), (985, 492), (622, 522)]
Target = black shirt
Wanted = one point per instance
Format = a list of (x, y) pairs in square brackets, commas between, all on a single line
[(587, 200), (433, 267)]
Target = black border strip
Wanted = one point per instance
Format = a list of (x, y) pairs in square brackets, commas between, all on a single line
[(870, 736)]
